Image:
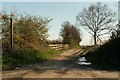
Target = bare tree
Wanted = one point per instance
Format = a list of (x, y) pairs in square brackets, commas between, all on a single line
[(96, 19), (116, 33)]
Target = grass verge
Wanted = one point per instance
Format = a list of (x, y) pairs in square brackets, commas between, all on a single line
[(106, 56), (20, 57)]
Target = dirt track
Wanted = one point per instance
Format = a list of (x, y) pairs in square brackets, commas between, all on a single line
[(63, 66)]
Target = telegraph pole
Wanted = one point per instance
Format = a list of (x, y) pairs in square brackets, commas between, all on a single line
[(11, 32)]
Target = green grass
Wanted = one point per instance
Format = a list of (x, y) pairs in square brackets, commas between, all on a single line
[(20, 57), (77, 46)]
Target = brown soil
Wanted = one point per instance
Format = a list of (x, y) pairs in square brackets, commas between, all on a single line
[(63, 66)]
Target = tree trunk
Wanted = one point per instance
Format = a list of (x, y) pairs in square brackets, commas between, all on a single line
[(95, 40)]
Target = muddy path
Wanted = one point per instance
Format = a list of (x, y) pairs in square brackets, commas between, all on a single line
[(63, 66)]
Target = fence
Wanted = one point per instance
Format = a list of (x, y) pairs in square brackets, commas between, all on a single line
[(58, 46)]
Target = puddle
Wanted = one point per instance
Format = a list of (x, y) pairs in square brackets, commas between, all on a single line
[(83, 61)]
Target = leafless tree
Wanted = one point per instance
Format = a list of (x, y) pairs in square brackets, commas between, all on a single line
[(97, 19)]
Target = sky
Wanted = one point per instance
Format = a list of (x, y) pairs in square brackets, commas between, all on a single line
[(58, 11)]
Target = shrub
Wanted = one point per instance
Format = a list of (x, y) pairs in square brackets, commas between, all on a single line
[(20, 57)]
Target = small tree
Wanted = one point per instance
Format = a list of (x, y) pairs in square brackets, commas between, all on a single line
[(70, 34), (28, 31), (96, 19)]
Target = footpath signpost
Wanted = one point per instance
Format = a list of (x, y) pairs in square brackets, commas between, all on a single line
[(11, 32)]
